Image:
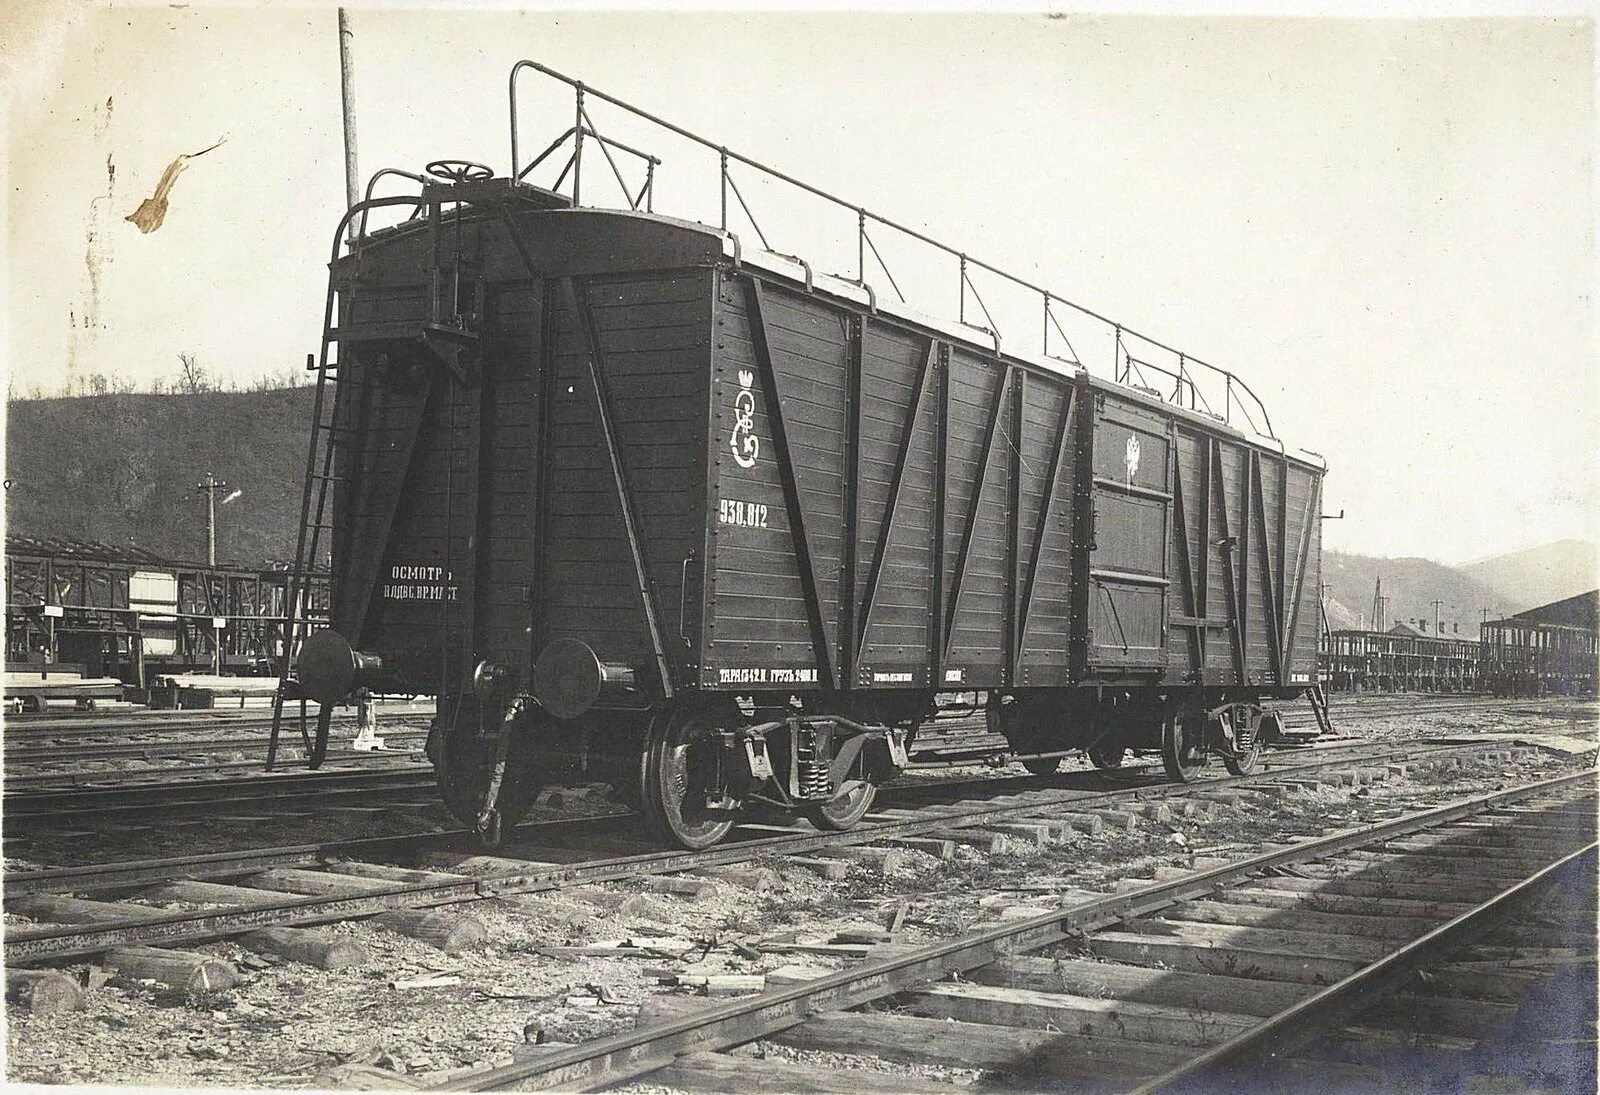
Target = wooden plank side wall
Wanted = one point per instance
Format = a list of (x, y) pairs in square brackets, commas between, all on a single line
[(1049, 435), (898, 394), (652, 334), (980, 460), (652, 339), (1257, 596), (760, 618), (1000, 440)]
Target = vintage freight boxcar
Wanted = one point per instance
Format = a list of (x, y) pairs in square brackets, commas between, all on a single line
[(629, 494)]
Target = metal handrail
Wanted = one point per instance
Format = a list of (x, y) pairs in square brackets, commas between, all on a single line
[(366, 200), (577, 133), (863, 216)]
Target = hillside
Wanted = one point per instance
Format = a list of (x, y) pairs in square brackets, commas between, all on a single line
[(1411, 585), (124, 467), (1539, 575), (121, 467)]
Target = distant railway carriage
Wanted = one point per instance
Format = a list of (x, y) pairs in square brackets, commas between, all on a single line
[(1393, 661), (1549, 650), (127, 613), (627, 493)]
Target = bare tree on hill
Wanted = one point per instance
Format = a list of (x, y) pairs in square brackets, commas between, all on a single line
[(192, 376)]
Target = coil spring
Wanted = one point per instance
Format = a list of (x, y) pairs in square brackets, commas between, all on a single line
[(811, 771), (1244, 733)]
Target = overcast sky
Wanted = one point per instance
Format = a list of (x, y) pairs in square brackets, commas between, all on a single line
[(1385, 227)]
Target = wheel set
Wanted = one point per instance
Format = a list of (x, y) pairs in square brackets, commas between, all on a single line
[(690, 779), (680, 770)]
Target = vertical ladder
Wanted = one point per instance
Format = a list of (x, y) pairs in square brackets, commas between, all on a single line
[(316, 515)]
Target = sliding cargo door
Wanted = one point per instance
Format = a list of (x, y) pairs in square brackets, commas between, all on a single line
[(1130, 519)]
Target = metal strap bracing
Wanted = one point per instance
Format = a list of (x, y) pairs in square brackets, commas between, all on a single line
[(1013, 613), (1203, 588), (1195, 624), (1281, 549), (1230, 576), (480, 447), (576, 299), (1302, 556), (1058, 456), (996, 408), (849, 541), (880, 550), (539, 483), (793, 503), (1241, 557), (1274, 606), (941, 514)]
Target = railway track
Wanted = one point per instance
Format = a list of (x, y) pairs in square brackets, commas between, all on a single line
[(1294, 969), (956, 740), (230, 893), (376, 783), (38, 798), (48, 757), (131, 716), (151, 750), (236, 774)]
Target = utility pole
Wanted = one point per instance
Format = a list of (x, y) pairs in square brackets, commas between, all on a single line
[(347, 93), (211, 485), (1436, 603)]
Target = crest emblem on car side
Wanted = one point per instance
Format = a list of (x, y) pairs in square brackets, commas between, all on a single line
[(1130, 457), (744, 443)]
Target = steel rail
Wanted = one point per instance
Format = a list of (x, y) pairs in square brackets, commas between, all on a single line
[(180, 776), (630, 1054), (39, 943), (154, 721), (1330, 1007), (110, 750), (28, 812)]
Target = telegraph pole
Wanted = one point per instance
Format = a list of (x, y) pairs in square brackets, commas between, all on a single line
[(1436, 603), (211, 485), (347, 94)]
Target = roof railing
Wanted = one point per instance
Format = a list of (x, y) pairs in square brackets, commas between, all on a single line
[(1236, 392)]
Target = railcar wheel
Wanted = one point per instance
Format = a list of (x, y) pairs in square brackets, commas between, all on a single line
[(463, 766), (1246, 756), (846, 809), (1042, 766), (1106, 753), (677, 769), (1183, 747)]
